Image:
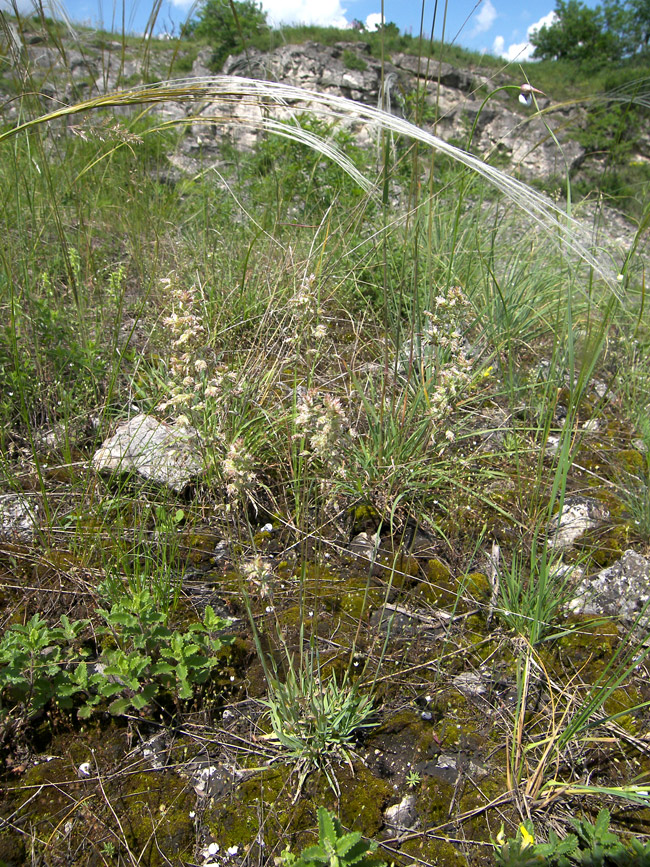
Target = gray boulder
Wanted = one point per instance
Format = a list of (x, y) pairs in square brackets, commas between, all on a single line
[(448, 75), (17, 518), (578, 515), (622, 590), (165, 454)]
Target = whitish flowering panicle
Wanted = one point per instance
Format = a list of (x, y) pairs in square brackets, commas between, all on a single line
[(190, 383), (443, 357), (187, 332), (305, 301), (259, 574), (237, 468), (106, 130), (322, 422), (306, 312), (188, 370)]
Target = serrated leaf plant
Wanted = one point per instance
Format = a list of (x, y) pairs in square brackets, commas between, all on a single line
[(593, 845), (335, 847), (140, 658)]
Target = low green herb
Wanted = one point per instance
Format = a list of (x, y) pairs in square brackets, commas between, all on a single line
[(33, 657), (413, 779), (311, 719), (593, 845), (141, 658), (335, 848)]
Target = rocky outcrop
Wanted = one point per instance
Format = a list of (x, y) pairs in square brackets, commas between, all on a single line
[(345, 69), (18, 518), (453, 97), (578, 515)]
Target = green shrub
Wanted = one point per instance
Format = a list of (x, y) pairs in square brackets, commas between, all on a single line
[(351, 60)]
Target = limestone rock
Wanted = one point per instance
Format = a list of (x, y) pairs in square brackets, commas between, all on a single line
[(17, 518), (579, 515), (315, 67), (365, 545), (622, 590), (201, 64), (160, 453), (449, 76), (402, 815), (523, 141)]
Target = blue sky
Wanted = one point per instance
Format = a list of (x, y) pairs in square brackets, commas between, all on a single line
[(500, 27)]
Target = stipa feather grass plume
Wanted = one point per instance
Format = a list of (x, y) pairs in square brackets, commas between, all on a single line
[(264, 95)]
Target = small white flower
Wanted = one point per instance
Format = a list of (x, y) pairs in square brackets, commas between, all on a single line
[(232, 850)]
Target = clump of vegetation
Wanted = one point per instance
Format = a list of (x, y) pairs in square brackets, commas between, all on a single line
[(596, 35), (40, 664), (315, 722), (229, 27), (351, 60)]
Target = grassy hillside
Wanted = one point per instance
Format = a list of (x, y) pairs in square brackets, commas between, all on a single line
[(401, 387)]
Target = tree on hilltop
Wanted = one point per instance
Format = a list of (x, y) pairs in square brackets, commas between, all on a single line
[(600, 35), (228, 25)]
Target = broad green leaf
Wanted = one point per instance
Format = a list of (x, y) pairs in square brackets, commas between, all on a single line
[(326, 828), (185, 691), (119, 706), (139, 701)]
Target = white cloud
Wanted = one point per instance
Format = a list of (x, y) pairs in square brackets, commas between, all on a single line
[(325, 13), (518, 51), (485, 19), (522, 50), (373, 21), (545, 21)]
